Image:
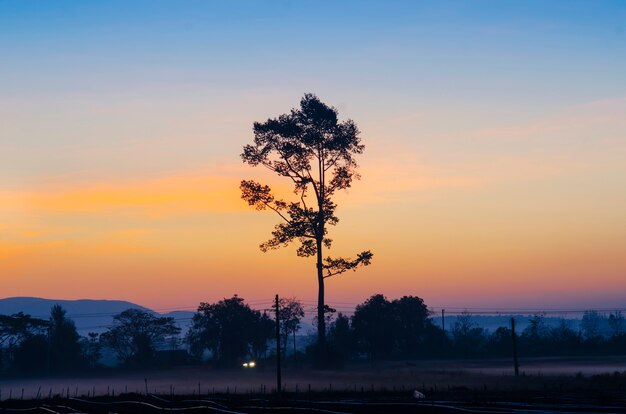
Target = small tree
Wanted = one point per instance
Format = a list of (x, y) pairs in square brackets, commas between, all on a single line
[(616, 323), (410, 319), (341, 338), (263, 329), (30, 355), (499, 343), (20, 334), (386, 328), (467, 335), (136, 334), (537, 327), (92, 349), (315, 151), (591, 325), (290, 313), (563, 339), (65, 346), (15, 328), (372, 323), (230, 329)]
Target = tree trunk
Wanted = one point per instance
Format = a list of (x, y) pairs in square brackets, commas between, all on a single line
[(321, 320)]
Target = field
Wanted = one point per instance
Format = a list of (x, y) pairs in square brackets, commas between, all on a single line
[(574, 385)]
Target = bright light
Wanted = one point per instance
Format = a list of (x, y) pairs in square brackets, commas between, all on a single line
[(245, 365), (250, 364)]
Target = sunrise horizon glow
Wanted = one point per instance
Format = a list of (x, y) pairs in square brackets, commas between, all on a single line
[(493, 176)]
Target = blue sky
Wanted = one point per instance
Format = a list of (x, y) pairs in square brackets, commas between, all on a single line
[(542, 45)]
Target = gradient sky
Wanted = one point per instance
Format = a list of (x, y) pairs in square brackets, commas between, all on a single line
[(494, 173)]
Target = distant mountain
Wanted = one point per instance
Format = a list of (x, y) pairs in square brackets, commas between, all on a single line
[(89, 315)]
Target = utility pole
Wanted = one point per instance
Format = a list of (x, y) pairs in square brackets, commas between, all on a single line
[(514, 337), (443, 320), (278, 379)]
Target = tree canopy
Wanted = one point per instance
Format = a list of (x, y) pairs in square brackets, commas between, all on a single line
[(316, 152), (398, 327), (136, 334), (230, 330), (17, 327)]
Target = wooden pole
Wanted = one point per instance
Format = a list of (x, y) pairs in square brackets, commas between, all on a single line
[(294, 346), (514, 337), (443, 320)]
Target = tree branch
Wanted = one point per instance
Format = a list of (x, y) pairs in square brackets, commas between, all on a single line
[(278, 212), (340, 265)]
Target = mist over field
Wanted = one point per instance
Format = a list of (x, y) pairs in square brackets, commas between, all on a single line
[(422, 375)]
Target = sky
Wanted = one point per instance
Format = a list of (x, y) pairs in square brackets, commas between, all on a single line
[(494, 174)]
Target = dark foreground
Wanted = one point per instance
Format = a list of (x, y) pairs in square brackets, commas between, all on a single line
[(604, 395), (545, 386)]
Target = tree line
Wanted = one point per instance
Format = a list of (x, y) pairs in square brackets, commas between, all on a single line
[(404, 329), (229, 331)]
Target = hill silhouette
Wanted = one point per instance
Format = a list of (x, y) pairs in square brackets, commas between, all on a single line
[(89, 315)]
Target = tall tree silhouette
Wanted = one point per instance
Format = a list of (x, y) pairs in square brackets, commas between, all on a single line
[(310, 147)]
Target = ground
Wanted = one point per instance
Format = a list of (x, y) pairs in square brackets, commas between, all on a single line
[(425, 376)]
